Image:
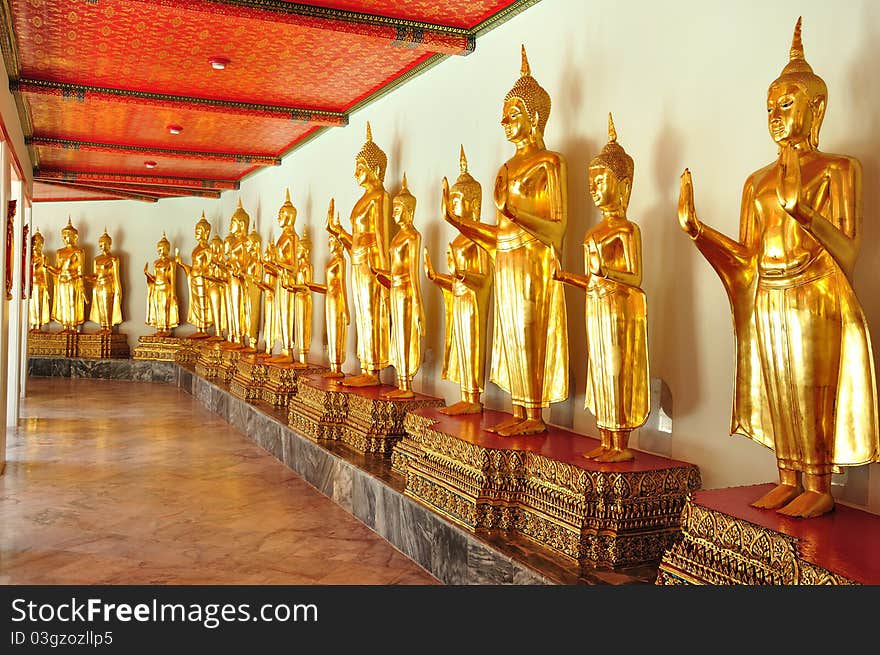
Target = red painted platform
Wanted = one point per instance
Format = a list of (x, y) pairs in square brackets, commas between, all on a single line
[(846, 541), (372, 393), (557, 443)]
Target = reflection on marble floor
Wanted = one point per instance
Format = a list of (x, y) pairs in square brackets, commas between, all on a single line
[(100, 488)]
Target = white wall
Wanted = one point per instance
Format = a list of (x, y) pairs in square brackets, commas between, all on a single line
[(687, 83)]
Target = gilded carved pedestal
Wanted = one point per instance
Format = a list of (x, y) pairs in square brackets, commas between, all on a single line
[(250, 377), (100, 345), (727, 542), (283, 382), (357, 416), (157, 349), (541, 486), (210, 362)]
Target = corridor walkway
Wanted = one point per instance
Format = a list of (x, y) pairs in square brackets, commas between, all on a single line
[(116, 482)]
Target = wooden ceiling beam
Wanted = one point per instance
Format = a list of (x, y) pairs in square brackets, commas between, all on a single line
[(122, 195), (159, 191), (399, 32), (115, 148), (147, 180), (82, 92)]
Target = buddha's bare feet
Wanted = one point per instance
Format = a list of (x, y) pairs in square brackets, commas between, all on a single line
[(333, 375), (808, 505), (462, 407), (596, 452), (362, 380), (614, 455), (777, 497), (524, 427), (506, 423), (398, 394)]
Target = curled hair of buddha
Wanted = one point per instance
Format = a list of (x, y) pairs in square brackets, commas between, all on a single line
[(164, 240), (287, 208), (467, 186), (305, 242), (531, 94), (405, 198), (241, 216), (105, 237), (613, 156), (372, 155), (69, 228), (204, 224)]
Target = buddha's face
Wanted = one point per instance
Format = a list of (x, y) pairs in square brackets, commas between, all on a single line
[(163, 248), (69, 237), (605, 189), (515, 120), (104, 245), (458, 202), (401, 213), (789, 113), (286, 216), (201, 233), (335, 246), (38, 246), (217, 248), (363, 172)]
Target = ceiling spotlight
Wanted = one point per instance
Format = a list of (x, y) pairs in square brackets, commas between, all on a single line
[(175, 129), (219, 63), (150, 164)]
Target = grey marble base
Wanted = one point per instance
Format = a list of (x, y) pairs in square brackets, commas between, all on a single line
[(104, 369)]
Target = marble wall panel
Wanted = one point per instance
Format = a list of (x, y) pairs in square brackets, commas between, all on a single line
[(40, 367)]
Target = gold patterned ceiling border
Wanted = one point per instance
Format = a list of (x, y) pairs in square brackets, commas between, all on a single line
[(82, 92), (44, 175), (146, 190), (122, 195), (502, 17), (401, 32), (8, 44), (89, 146)]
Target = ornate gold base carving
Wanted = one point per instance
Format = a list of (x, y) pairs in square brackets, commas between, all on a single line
[(157, 349), (357, 416), (250, 377), (188, 352), (609, 515), (283, 382), (210, 362), (98, 345), (719, 546)]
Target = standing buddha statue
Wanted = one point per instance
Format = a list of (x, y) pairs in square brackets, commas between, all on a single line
[(805, 382), (367, 245), (162, 309), (253, 274), (199, 313), (530, 346), (618, 391), (466, 292), (303, 298), (106, 308), (68, 302), (236, 259), (40, 300), (215, 278), (402, 279), (284, 267), (269, 285)]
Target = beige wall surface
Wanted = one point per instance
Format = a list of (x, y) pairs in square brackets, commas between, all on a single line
[(687, 84)]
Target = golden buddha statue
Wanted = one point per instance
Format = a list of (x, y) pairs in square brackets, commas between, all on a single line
[(402, 279), (199, 313), (40, 300), (162, 309), (805, 383), (284, 267), (368, 247), (215, 278), (303, 298), (466, 294), (530, 348), (336, 315), (106, 308), (236, 261), (618, 388), (269, 284), (68, 302), (253, 274)]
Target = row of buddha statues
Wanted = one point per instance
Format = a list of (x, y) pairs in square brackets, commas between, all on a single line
[(805, 382)]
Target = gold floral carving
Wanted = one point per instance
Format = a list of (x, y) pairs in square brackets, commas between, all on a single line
[(719, 549), (66, 344), (157, 349), (282, 383), (249, 380)]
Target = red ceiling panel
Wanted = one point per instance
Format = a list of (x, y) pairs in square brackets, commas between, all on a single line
[(145, 47), (455, 13), (68, 159), (44, 192), (132, 123)]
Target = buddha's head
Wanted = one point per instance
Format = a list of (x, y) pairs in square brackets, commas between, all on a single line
[(465, 195), (216, 246), (334, 243), (37, 242), (203, 229), (611, 174), (104, 242), (526, 108), (796, 100), (304, 248), (69, 234), (240, 221), (287, 212), (403, 207), (254, 244), (270, 251), (163, 247), (370, 163)]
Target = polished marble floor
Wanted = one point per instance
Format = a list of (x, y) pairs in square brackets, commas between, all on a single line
[(116, 482)]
